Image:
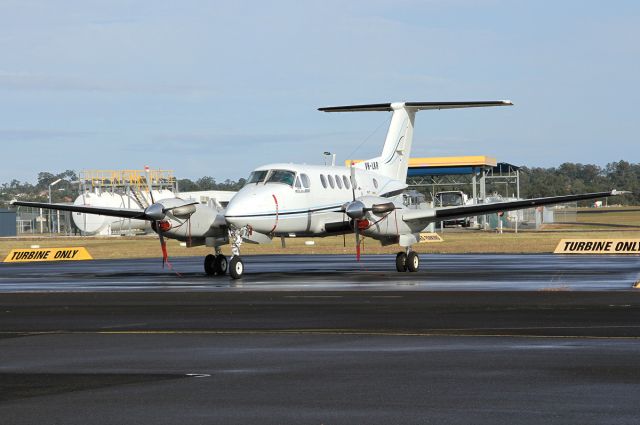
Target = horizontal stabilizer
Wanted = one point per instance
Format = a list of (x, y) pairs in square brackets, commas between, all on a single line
[(418, 106)]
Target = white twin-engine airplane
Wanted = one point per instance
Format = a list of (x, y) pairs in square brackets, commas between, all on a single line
[(290, 200)]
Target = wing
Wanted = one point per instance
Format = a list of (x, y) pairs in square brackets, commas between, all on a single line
[(112, 212), (447, 213)]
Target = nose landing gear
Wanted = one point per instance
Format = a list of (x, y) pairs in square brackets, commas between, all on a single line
[(236, 266)]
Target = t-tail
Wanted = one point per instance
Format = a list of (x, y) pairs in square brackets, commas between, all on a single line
[(394, 160)]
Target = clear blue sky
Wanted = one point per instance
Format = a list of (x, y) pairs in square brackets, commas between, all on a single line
[(217, 88)]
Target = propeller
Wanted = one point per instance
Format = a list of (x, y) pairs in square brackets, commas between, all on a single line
[(357, 211), (156, 213)]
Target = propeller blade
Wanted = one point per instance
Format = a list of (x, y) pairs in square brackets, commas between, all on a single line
[(353, 181), (357, 240), (147, 172), (163, 247)]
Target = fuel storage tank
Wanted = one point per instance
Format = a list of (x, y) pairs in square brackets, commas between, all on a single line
[(91, 224)]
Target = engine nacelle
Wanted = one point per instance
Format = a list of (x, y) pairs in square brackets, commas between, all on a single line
[(198, 226)]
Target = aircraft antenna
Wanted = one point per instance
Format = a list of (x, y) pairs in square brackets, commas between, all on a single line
[(386, 121)]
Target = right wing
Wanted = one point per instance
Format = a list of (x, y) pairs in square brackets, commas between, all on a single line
[(112, 212), (448, 213)]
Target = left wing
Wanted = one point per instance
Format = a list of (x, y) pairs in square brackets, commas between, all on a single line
[(447, 213)]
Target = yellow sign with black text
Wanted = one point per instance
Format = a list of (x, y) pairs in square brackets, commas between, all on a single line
[(47, 254), (598, 246), (430, 237)]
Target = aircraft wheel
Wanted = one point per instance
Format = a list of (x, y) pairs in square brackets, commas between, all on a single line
[(413, 262), (209, 265), (220, 265), (236, 267), (401, 262)]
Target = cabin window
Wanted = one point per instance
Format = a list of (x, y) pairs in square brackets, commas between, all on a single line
[(257, 176), (375, 183), (282, 176), (305, 181), (323, 181), (331, 182), (298, 183), (338, 181), (346, 182)]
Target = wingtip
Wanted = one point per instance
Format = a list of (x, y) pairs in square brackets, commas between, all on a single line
[(615, 192)]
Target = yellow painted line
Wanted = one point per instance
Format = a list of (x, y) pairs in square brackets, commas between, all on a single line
[(313, 296)]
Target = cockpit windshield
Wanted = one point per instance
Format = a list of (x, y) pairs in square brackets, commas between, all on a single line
[(257, 176), (282, 176)]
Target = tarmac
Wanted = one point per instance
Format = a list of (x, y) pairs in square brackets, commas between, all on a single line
[(322, 339)]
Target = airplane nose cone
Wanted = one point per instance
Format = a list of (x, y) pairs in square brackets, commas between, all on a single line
[(255, 207), (238, 209)]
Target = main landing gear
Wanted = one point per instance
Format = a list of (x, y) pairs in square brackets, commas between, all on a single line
[(407, 261), (216, 265)]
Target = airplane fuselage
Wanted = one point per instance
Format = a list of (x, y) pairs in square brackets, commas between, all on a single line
[(298, 199)]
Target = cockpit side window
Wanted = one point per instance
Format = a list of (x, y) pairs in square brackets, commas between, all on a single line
[(282, 176), (305, 181), (257, 176)]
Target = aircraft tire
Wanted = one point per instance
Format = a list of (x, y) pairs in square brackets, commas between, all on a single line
[(236, 267), (401, 262), (220, 265), (209, 264), (413, 262)]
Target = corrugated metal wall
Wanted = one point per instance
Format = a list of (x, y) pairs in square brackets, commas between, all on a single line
[(7, 223)]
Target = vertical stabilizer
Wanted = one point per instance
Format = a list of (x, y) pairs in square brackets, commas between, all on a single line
[(394, 160)]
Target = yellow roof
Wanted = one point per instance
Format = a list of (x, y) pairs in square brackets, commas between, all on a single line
[(445, 161), (453, 161)]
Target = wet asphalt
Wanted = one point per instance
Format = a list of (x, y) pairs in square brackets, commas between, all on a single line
[(322, 339)]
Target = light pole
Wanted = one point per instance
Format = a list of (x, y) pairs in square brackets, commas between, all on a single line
[(50, 186)]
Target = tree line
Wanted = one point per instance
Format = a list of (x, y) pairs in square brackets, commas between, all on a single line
[(567, 178), (571, 178)]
